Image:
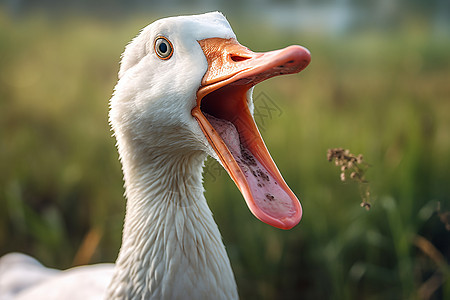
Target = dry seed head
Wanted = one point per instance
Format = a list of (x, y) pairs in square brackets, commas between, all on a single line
[(366, 205), (359, 158), (329, 155), (356, 167)]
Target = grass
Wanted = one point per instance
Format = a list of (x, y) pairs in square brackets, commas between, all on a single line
[(385, 95)]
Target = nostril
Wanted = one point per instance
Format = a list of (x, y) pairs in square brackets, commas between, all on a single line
[(238, 58)]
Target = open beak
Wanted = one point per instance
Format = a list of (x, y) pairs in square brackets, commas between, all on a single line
[(224, 116)]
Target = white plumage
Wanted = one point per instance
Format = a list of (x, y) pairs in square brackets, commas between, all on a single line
[(171, 246)]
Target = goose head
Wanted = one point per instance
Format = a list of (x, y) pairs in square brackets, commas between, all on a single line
[(185, 86)]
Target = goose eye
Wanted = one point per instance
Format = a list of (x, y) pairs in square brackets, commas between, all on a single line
[(163, 47)]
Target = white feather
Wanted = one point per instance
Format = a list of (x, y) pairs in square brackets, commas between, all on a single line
[(171, 246)]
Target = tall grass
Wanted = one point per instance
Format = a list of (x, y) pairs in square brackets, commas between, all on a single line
[(385, 95)]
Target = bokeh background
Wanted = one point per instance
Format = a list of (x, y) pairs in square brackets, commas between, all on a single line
[(378, 84)]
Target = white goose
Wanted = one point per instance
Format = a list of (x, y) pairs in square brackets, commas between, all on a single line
[(184, 91)]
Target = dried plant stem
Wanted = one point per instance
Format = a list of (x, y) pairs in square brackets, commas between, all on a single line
[(429, 287)]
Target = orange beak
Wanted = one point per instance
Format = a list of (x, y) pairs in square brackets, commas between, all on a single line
[(224, 116)]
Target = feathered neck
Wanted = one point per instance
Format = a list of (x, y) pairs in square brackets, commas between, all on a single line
[(171, 246)]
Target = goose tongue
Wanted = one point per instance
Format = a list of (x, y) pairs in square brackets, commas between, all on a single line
[(267, 194), (224, 117)]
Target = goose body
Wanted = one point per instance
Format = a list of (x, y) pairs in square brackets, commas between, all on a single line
[(184, 92)]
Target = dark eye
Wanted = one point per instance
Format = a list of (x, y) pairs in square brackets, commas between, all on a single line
[(163, 47)]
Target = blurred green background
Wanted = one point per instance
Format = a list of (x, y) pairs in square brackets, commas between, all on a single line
[(378, 84)]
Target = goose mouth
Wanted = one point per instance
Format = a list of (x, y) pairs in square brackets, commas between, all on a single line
[(224, 116)]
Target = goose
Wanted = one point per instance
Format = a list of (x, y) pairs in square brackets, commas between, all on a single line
[(184, 92)]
